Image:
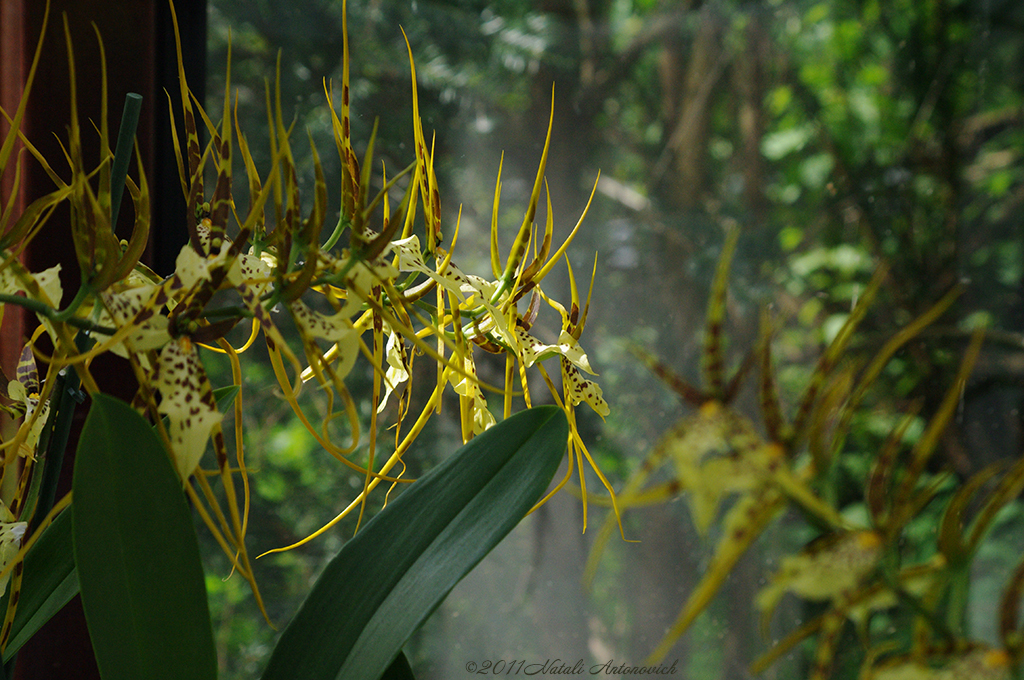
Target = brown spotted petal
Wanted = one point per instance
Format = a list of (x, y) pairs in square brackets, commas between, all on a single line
[(133, 305), (362, 276), (452, 279), (533, 350), (191, 267), (253, 271), (46, 283), (470, 291), (187, 401), (708, 463), (577, 389), (410, 259)]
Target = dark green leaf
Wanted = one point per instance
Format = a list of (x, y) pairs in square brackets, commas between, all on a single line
[(136, 552), (49, 582), (399, 669), (388, 579)]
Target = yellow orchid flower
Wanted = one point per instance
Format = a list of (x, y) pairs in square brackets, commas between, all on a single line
[(12, 533)]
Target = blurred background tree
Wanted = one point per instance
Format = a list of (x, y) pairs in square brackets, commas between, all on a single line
[(836, 134)]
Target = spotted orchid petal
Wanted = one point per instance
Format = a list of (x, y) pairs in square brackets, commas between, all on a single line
[(410, 259), (361, 277), (451, 278), (253, 271), (133, 305), (43, 286), (49, 283), (187, 401), (578, 389), (192, 268), (533, 350), (471, 291)]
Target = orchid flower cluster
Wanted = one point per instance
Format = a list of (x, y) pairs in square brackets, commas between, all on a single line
[(383, 288)]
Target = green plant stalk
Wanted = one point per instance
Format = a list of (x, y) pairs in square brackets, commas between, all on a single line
[(68, 384), (37, 307), (123, 153)]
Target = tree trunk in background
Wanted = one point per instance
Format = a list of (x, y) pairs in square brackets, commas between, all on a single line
[(748, 82), (687, 110)]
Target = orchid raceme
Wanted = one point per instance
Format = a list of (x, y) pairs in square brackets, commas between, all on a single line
[(372, 302), (739, 476)]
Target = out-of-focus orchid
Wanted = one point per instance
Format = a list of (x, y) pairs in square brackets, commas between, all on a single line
[(720, 455)]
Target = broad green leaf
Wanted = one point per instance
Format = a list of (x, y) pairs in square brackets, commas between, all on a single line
[(136, 552), (399, 669), (49, 583), (388, 579), (50, 579)]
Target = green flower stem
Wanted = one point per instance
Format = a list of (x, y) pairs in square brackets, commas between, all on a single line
[(234, 311), (84, 291), (343, 222), (55, 434), (123, 152), (53, 315)]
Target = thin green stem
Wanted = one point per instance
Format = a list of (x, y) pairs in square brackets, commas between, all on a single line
[(123, 153), (336, 234), (69, 395), (236, 311), (84, 291), (53, 315)]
